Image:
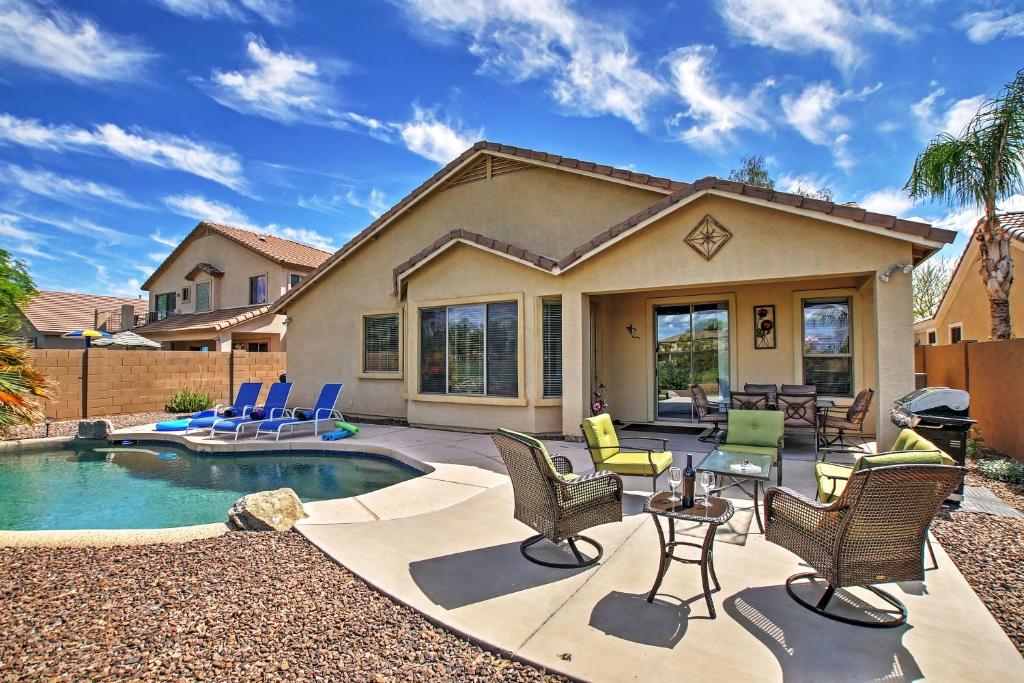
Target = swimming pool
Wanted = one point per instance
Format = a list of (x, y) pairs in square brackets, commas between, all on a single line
[(96, 485)]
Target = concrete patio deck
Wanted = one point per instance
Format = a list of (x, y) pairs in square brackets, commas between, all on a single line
[(446, 544)]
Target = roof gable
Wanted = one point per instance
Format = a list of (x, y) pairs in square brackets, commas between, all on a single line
[(281, 251)]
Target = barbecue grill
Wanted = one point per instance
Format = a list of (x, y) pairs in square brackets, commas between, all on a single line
[(941, 415)]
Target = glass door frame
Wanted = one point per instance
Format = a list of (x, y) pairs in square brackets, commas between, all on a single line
[(652, 304)]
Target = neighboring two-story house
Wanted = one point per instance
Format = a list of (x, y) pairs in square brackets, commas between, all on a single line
[(214, 291), (963, 314)]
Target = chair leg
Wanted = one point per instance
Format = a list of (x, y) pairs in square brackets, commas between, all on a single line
[(897, 616), (931, 552)]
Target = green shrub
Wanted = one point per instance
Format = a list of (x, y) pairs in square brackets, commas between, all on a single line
[(975, 443), (189, 401), (1003, 469)]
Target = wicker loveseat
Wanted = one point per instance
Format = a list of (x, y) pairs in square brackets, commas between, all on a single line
[(874, 532), (553, 500)]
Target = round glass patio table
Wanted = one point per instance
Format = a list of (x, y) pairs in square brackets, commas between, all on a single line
[(718, 512)]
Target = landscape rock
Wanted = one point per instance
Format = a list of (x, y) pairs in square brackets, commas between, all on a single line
[(276, 510), (94, 429)]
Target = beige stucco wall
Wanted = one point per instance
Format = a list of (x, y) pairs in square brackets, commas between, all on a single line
[(968, 303), (772, 255), (231, 289)]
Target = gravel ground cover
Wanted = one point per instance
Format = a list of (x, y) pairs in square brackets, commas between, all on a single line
[(989, 552), (70, 427), (241, 607)]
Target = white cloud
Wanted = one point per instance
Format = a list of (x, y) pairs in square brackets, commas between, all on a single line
[(982, 27), (158, 256), (436, 140), (712, 113), (814, 114), (965, 220), (41, 36), (47, 184), (951, 117), (271, 11), (806, 183), (590, 67), (374, 203), (20, 241), (280, 86), (203, 208), (890, 200), (76, 226), (159, 149), (171, 242), (836, 27)]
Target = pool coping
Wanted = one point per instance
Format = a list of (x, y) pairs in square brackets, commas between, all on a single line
[(440, 485)]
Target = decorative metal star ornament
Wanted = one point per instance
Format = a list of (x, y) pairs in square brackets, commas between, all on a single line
[(708, 237)]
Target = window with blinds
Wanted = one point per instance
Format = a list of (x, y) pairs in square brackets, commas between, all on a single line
[(470, 350), (551, 348), (203, 298), (380, 343)]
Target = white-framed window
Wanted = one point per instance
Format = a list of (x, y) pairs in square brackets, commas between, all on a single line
[(828, 345), (470, 349), (293, 279), (381, 343), (956, 333), (186, 294), (551, 348), (204, 297), (258, 289), (932, 337), (165, 305)]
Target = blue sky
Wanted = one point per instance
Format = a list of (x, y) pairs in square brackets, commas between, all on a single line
[(122, 122)]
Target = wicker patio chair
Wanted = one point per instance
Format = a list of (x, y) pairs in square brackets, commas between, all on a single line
[(771, 390), (554, 501), (706, 413), (873, 533), (843, 421), (800, 415), (743, 400)]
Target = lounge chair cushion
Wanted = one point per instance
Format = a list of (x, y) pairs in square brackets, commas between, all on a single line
[(173, 425), (599, 431), (826, 472), (637, 464), (755, 427)]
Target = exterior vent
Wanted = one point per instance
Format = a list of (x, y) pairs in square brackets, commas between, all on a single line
[(487, 166)]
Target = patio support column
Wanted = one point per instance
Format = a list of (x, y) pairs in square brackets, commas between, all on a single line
[(894, 320), (575, 361)]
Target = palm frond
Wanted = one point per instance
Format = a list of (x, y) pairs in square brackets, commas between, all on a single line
[(22, 387), (947, 169)]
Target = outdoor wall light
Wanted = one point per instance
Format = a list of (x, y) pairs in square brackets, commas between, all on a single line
[(887, 275), (632, 331)]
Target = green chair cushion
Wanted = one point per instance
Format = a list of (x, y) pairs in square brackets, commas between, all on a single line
[(831, 480), (536, 443), (755, 427), (756, 450), (637, 464), (826, 472), (599, 431)]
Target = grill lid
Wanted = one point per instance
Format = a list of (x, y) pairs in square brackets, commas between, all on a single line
[(936, 400)]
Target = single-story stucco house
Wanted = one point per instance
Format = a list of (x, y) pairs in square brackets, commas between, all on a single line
[(514, 285), (964, 314)]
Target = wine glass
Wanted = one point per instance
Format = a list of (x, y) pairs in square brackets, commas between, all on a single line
[(707, 483), (675, 477)]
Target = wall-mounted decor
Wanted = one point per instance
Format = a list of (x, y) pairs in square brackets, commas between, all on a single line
[(708, 237), (764, 326)]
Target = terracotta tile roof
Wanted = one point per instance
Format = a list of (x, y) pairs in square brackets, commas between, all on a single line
[(60, 312), (213, 321), (676, 190), (277, 249), (1013, 222), (497, 246)]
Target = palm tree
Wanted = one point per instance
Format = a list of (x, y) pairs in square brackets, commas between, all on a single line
[(22, 387), (981, 167)]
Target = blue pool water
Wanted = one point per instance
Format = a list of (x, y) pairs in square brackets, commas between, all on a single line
[(96, 485)]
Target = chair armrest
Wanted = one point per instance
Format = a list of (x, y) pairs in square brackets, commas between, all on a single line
[(594, 486), (562, 464), (785, 502), (278, 412), (663, 442)]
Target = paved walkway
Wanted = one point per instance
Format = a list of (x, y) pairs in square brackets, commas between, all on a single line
[(446, 544)]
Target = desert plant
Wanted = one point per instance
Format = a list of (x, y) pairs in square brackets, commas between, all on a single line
[(21, 386), (980, 167), (189, 401), (1003, 469), (975, 443)]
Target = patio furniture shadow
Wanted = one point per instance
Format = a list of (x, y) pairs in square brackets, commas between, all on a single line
[(811, 648), (630, 617), (473, 576)]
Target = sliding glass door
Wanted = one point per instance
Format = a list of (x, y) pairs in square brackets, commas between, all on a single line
[(692, 348)]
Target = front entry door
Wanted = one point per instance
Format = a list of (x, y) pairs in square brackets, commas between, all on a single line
[(692, 348)]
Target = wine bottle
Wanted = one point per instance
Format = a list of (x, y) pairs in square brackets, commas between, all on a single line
[(689, 482)]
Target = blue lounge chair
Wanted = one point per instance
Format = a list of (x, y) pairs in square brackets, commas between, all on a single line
[(323, 410), (245, 400), (273, 407)]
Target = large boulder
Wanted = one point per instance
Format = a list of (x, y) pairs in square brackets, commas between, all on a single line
[(94, 429), (266, 511)]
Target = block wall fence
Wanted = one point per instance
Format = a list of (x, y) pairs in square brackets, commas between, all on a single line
[(993, 374), (106, 382)]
